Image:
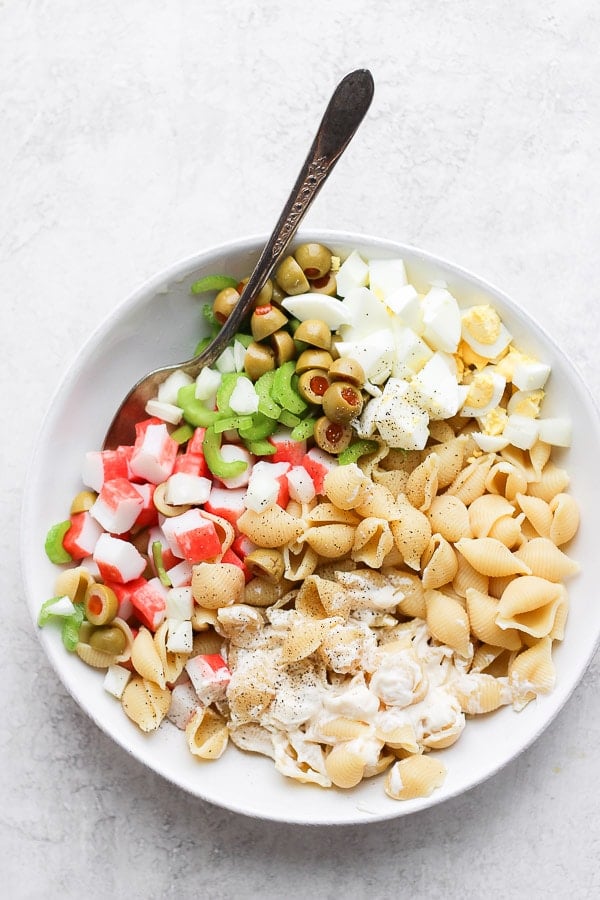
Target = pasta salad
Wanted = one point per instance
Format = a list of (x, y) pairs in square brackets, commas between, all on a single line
[(337, 544)]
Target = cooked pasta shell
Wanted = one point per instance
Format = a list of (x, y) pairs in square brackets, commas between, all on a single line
[(485, 511), (412, 533), (439, 563), (330, 541), (552, 481), (273, 527), (398, 737), (260, 592), (539, 455), (448, 621), (482, 610), (565, 518), (441, 430), (532, 672), (497, 586), (240, 623), (537, 512), (344, 766), (225, 530), (202, 618), (469, 484), (422, 483), (545, 559), (299, 562), (506, 479), (560, 619), (415, 776), (217, 584), (401, 460), (380, 503), (73, 583), (410, 593), (343, 729), (373, 540), (319, 598), (346, 486), (491, 557), (330, 514), (303, 637), (479, 694), (468, 577), (145, 703), (172, 663), (508, 531), (450, 454), (449, 517), (393, 558), (394, 480), (529, 604), (485, 656), (208, 642), (207, 734), (91, 656), (253, 738), (145, 658)]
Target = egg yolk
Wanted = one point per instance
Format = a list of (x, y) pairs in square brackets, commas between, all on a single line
[(483, 323), (529, 405), (481, 391), (493, 422)]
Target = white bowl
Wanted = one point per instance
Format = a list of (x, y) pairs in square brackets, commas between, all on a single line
[(158, 325)]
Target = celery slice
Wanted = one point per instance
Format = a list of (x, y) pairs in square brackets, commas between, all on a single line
[(213, 283), (53, 544), (260, 448), (355, 451)]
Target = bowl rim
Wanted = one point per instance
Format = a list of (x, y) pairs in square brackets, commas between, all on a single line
[(159, 282)]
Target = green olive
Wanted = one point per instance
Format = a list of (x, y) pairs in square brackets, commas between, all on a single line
[(342, 402), (346, 369), (312, 385), (224, 304), (82, 502), (333, 437), (335, 340), (313, 259), (100, 604), (260, 592), (278, 295), (283, 347), (266, 563), (266, 320), (108, 639), (325, 285), (264, 295), (313, 359), (314, 332), (290, 277), (258, 359)]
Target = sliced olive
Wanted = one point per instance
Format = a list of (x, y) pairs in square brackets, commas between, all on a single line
[(346, 369), (108, 639), (314, 332), (313, 259), (266, 320), (83, 501), (264, 295), (278, 295), (224, 304), (100, 604), (342, 402), (266, 563), (258, 359), (312, 385), (283, 346), (313, 359), (325, 285), (333, 437), (290, 277)]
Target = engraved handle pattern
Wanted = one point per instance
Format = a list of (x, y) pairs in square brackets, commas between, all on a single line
[(317, 173)]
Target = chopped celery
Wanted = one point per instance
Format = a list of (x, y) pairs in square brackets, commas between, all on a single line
[(215, 325), (355, 451), (211, 446), (54, 608), (224, 392), (304, 429), (266, 404), (53, 545), (183, 433), (260, 428), (244, 339), (71, 626), (202, 345), (68, 615), (195, 412), (289, 419), (284, 389), (157, 558), (227, 423), (213, 283), (260, 448)]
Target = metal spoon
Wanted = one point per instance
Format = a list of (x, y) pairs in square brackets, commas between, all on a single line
[(345, 111)]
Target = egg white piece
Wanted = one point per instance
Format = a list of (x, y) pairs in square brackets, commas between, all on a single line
[(530, 375), (436, 387), (401, 422), (386, 276), (319, 306), (375, 353), (353, 273), (489, 443), (496, 383), (487, 351), (556, 430), (368, 314), (441, 320), (365, 425), (405, 303), (521, 431)]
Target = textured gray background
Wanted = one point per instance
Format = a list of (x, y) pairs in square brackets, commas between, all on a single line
[(135, 133)]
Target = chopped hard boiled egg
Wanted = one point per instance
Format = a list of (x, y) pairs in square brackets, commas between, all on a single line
[(406, 304), (521, 431), (436, 387), (526, 403), (353, 273), (441, 320), (483, 331), (319, 306), (375, 353), (386, 276), (367, 314), (484, 393), (530, 375), (411, 352), (555, 430), (400, 420)]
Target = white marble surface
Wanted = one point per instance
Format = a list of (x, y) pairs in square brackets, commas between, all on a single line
[(137, 133)]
